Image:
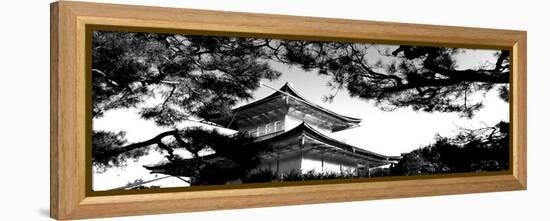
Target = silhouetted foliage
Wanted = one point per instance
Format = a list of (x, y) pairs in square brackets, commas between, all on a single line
[(380, 172), (138, 182), (266, 175), (104, 142), (293, 175), (424, 78), (170, 78), (232, 158), (195, 76), (260, 176), (485, 149)]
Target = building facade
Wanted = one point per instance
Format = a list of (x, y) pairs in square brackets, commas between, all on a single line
[(298, 132)]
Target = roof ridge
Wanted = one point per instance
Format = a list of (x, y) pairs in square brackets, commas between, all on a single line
[(295, 93)]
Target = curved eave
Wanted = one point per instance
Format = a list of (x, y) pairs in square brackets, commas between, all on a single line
[(229, 117), (305, 128), (395, 158), (288, 89)]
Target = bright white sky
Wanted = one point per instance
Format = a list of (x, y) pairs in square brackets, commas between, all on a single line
[(388, 133)]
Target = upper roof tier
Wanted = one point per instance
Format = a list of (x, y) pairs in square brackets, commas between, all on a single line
[(286, 101)]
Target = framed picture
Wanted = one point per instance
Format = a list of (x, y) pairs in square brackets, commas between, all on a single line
[(162, 110)]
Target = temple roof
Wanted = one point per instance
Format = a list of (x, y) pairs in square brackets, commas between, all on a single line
[(321, 142), (288, 144), (290, 90), (278, 98)]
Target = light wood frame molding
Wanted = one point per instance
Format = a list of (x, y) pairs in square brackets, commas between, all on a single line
[(69, 199)]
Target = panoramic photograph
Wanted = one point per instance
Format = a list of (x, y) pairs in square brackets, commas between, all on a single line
[(175, 110)]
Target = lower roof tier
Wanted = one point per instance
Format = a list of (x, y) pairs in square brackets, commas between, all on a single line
[(305, 139)]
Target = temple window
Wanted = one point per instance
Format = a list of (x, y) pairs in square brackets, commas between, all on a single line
[(270, 127), (279, 126), (265, 129), (261, 130)]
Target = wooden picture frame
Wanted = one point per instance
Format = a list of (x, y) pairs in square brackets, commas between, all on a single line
[(69, 99)]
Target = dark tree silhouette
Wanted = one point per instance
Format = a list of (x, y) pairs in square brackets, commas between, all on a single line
[(194, 75), (138, 185), (424, 78), (170, 78), (483, 149), (234, 157)]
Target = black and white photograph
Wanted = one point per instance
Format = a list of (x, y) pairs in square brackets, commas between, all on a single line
[(182, 110)]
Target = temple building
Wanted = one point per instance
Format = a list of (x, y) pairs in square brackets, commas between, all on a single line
[(298, 132)]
